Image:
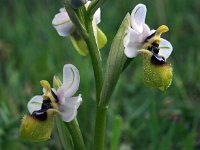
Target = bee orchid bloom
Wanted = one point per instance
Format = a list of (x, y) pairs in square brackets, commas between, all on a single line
[(138, 34), (62, 100), (38, 125), (139, 39), (64, 25)]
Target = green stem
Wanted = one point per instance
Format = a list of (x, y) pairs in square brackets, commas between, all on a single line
[(95, 5), (64, 135), (100, 122), (95, 57), (100, 127), (75, 132), (75, 19)]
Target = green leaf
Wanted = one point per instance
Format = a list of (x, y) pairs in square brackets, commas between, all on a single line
[(115, 63), (116, 132)]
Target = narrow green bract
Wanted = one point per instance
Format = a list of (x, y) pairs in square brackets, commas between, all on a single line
[(115, 63)]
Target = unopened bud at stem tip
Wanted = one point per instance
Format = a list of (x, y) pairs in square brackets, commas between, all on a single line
[(77, 3)]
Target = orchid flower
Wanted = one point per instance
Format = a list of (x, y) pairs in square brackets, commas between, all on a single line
[(43, 107), (64, 25), (139, 39), (138, 36), (62, 99)]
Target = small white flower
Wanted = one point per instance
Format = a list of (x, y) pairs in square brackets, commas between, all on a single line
[(64, 25), (77, 3), (62, 100), (138, 33)]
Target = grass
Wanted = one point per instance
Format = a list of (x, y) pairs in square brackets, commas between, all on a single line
[(31, 50)]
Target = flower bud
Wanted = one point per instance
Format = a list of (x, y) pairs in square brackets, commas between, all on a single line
[(56, 82), (77, 3)]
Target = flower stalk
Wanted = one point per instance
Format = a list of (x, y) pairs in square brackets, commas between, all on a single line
[(95, 5), (76, 135), (75, 19), (95, 57), (64, 135), (100, 128)]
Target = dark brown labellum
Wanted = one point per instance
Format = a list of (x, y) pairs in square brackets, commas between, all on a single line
[(157, 60), (46, 104), (40, 115)]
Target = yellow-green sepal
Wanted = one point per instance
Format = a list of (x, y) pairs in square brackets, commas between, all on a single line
[(80, 45), (35, 130), (56, 83), (156, 75), (101, 38)]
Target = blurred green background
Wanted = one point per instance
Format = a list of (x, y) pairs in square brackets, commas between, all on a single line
[(31, 50)]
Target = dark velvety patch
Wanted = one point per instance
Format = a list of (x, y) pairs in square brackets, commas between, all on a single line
[(154, 48), (46, 104), (40, 115), (157, 60)]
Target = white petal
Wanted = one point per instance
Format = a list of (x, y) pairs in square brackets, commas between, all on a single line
[(35, 103), (131, 37), (165, 48), (62, 9), (146, 32), (97, 16), (138, 16), (69, 108), (87, 4), (131, 50), (71, 80), (132, 42), (62, 23), (152, 31)]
